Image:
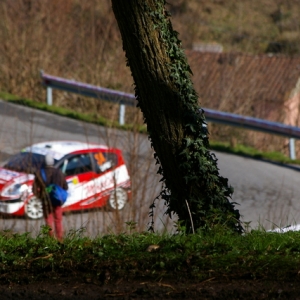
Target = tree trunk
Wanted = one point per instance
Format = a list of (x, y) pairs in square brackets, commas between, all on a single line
[(176, 125)]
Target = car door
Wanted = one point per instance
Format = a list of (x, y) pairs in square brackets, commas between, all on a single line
[(107, 179), (80, 175)]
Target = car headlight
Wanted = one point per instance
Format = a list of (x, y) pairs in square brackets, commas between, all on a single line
[(15, 189)]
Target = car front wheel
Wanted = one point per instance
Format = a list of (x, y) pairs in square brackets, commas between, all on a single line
[(34, 208), (117, 199)]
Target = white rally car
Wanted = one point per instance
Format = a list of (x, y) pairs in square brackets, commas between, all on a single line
[(97, 177)]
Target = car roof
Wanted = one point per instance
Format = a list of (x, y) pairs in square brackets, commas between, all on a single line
[(60, 148)]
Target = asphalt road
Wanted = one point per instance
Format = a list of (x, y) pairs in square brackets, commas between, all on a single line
[(267, 193)]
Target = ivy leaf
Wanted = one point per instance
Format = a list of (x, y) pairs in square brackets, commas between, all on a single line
[(188, 142)]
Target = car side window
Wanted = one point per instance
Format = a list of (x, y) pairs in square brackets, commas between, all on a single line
[(74, 165), (105, 161)]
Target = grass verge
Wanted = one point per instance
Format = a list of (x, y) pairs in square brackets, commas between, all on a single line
[(252, 152), (201, 256), (67, 112)]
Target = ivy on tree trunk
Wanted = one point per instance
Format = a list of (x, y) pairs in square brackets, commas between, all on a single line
[(193, 188)]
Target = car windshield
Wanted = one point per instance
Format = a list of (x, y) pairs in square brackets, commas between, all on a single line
[(26, 162)]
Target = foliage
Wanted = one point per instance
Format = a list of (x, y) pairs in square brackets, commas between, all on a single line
[(206, 254)]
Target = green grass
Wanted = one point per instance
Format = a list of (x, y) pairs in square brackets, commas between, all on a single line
[(215, 145), (252, 152), (257, 254)]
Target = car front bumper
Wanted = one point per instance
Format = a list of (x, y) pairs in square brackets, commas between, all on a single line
[(11, 206)]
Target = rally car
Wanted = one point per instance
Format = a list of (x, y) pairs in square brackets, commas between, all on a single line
[(97, 177)]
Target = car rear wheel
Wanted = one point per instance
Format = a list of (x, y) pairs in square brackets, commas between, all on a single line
[(117, 199), (34, 208)]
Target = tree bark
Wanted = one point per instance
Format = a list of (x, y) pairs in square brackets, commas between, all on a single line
[(176, 125)]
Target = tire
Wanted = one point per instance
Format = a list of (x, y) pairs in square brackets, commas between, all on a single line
[(34, 209), (122, 199)]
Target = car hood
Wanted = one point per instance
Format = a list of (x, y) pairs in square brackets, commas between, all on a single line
[(8, 176)]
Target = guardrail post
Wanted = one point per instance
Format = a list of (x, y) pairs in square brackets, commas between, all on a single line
[(292, 148), (49, 95), (122, 114)]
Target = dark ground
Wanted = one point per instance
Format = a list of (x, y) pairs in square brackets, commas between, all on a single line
[(87, 288)]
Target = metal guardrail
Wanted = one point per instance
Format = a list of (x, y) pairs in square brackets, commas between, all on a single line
[(52, 82)]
